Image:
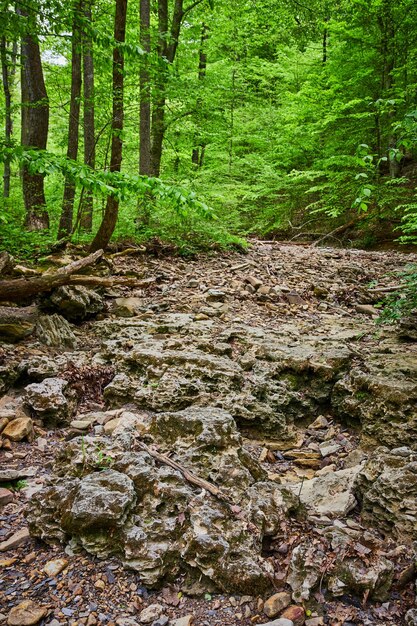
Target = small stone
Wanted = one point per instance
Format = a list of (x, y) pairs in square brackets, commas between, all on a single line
[(111, 425), (215, 295), (80, 424), (314, 621), (253, 281), (42, 443), (18, 429), (327, 448), (100, 584), (187, 620), (319, 422), (29, 558), (151, 613), (6, 496), (55, 567), (20, 537), (295, 614), (264, 290), (161, 621), (276, 603), (411, 617), (92, 620), (26, 613)]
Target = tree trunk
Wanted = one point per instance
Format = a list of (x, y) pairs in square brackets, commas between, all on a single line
[(87, 203), (65, 224), (35, 122), (144, 83), (108, 224), (158, 109), (197, 156), (8, 124)]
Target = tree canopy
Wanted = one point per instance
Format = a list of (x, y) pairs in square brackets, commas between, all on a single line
[(203, 122)]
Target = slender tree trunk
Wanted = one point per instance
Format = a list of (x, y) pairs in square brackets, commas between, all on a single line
[(145, 106), (197, 156), (388, 57), (108, 224), (158, 109), (232, 118), (8, 123), (65, 224), (35, 122), (87, 202), (144, 83)]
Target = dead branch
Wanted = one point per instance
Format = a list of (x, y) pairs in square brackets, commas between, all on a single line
[(112, 281), (337, 231), (197, 482), (13, 290), (388, 289)]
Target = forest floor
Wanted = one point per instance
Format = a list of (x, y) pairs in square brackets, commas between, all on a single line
[(277, 287)]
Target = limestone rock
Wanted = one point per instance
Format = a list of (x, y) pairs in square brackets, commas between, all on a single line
[(18, 429), (175, 364), (407, 326), (54, 330), (330, 495), (47, 399), (153, 519), (381, 397), (26, 613), (76, 302), (127, 307), (387, 490), (276, 603), (411, 617), (305, 570), (355, 576), (151, 613)]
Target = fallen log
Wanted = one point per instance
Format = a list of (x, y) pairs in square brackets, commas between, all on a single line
[(17, 323), (14, 290)]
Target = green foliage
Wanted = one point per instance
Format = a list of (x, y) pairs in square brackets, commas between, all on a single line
[(400, 303), (304, 112)]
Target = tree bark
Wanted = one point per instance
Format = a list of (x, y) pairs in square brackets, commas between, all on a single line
[(65, 224), (158, 109), (15, 289), (197, 156), (144, 83), (108, 224), (167, 49), (87, 202), (35, 123), (8, 123)]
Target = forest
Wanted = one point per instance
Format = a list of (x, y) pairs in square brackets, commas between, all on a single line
[(208, 313), (205, 123)]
